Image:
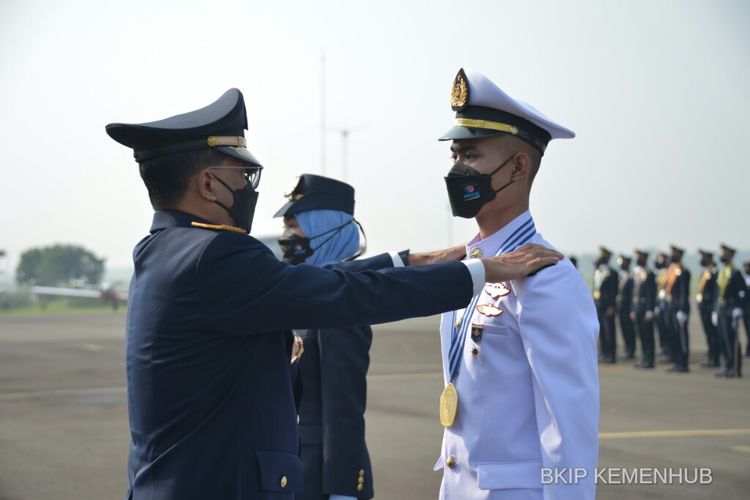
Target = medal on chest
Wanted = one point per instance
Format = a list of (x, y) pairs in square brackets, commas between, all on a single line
[(448, 405), (476, 332)]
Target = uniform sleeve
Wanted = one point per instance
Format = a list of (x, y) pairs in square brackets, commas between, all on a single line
[(559, 328), (650, 292), (344, 360), (380, 261), (685, 292), (612, 287), (740, 289), (244, 289)]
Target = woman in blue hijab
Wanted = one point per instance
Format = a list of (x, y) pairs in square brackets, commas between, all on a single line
[(320, 230)]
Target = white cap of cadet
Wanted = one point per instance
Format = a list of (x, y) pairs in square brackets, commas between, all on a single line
[(484, 110)]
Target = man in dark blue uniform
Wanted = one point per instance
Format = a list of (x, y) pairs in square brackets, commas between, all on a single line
[(210, 401), (625, 306), (731, 297), (644, 303), (705, 297), (605, 298), (678, 307)]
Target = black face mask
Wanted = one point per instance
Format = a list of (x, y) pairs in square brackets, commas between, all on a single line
[(242, 210), (676, 258), (726, 259), (705, 261), (468, 190), (298, 248)]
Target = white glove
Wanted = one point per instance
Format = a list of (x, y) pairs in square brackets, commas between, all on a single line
[(715, 318), (649, 315), (681, 318), (736, 313), (341, 497)]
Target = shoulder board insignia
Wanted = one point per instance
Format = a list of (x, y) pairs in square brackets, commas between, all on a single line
[(218, 227)]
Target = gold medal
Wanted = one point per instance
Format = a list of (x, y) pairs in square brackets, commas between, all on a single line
[(489, 310), (448, 405)]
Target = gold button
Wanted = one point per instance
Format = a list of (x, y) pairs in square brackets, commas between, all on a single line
[(361, 480), (283, 481), (360, 487), (476, 252), (450, 462), (458, 323), (361, 472)]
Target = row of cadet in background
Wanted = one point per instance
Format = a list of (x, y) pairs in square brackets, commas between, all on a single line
[(642, 297)]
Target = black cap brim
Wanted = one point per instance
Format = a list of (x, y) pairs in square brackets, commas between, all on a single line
[(316, 201), (240, 153), (457, 133)]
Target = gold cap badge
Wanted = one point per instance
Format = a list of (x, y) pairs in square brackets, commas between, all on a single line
[(459, 91)]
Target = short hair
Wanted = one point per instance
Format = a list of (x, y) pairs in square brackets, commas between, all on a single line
[(534, 155), (168, 177)]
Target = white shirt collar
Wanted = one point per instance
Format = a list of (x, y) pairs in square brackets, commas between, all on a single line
[(504, 239)]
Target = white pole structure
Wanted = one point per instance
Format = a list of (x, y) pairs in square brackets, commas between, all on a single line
[(345, 132), (323, 112)]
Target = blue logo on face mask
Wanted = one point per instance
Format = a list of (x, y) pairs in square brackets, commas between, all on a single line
[(470, 192)]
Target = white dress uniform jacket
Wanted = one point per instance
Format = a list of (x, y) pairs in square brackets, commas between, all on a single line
[(528, 389)]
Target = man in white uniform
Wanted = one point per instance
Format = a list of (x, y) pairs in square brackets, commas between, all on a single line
[(521, 400)]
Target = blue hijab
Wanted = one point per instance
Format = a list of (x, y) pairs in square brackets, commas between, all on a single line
[(341, 245)]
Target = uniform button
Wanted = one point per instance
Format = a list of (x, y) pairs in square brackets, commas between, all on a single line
[(283, 482), (476, 252), (360, 487), (450, 462), (361, 480), (475, 351), (361, 472)]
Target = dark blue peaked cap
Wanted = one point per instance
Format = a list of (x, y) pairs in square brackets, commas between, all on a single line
[(315, 192), (220, 126)]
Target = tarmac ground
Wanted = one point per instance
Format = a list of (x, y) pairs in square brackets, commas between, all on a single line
[(64, 422)]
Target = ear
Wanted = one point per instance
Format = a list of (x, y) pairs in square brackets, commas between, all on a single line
[(521, 166), (204, 185)]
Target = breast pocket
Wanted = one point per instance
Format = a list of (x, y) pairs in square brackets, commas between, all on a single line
[(497, 330)]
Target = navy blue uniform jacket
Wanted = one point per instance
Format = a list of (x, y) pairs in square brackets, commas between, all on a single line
[(210, 399)]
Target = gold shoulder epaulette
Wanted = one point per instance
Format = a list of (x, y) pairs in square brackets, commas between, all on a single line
[(218, 227)]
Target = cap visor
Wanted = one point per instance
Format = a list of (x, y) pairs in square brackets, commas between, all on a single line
[(283, 210), (458, 133), (242, 154)]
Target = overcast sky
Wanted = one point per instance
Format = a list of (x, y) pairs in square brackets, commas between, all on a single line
[(657, 92)]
